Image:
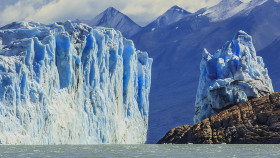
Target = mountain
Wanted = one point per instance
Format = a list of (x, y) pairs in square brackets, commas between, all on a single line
[(113, 18), (171, 16), (68, 83), (177, 49)]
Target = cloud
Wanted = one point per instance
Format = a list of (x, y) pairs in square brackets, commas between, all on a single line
[(48, 11), (19, 10)]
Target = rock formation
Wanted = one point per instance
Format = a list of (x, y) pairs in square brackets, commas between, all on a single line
[(253, 122)]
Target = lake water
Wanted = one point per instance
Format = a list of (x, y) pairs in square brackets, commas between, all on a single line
[(173, 151)]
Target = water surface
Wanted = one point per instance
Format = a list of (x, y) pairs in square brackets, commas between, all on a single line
[(190, 151)]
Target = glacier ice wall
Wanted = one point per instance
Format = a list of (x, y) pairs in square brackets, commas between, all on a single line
[(68, 83), (232, 75)]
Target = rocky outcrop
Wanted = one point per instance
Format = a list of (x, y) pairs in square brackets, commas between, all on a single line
[(253, 122)]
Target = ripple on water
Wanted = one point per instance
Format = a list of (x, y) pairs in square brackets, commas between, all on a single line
[(192, 151)]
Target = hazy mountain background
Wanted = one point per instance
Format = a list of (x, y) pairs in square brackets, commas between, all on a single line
[(175, 41)]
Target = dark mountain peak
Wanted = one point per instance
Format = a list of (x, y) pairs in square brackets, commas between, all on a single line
[(113, 18), (176, 9), (111, 10)]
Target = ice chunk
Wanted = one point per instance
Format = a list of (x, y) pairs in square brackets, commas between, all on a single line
[(230, 76)]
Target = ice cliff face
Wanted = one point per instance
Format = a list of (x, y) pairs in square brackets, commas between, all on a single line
[(68, 83), (232, 75)]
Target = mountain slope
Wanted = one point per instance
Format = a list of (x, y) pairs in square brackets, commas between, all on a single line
[(229, 8), (113, 18), (177, 54), (271, 56)]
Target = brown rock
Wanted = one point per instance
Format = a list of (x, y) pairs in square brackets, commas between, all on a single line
[(254, 122)]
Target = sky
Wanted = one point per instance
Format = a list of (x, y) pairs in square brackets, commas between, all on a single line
[(49, 11)]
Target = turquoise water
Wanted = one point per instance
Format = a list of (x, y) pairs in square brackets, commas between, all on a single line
[(173, 151)]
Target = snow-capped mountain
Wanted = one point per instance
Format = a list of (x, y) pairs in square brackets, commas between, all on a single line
[(232, 75), (68, 83), (112, 18), (171, 16), (229, 8), (176, 50)]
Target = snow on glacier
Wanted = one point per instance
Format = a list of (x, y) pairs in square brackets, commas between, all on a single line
[(232, 75), (68, 83)]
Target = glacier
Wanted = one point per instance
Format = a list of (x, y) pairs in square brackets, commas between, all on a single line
[(68, 83), (232, 75)]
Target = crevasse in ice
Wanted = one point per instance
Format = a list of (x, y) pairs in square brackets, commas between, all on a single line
[(68, 83), (232, 75)]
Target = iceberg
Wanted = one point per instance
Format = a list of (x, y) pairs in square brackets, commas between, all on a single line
[(68, 83), (232, 75)]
